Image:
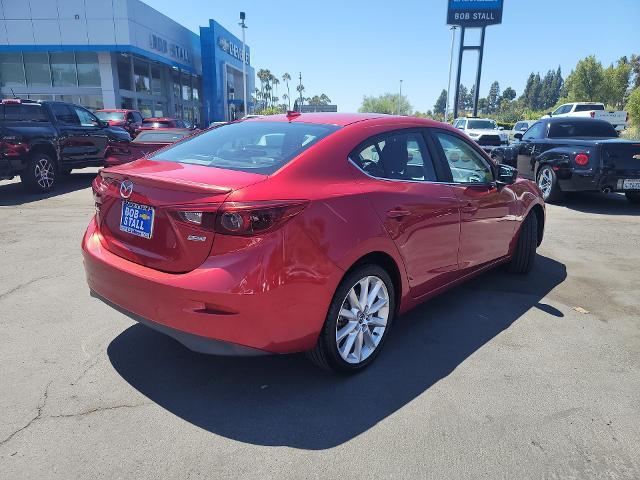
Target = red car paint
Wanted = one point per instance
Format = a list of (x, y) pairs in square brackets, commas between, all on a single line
[(141, 146), (271, 291), (131, 120)]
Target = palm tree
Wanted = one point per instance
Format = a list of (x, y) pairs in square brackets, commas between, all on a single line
[(285, 78), (300, 89), (324, 100), (263, 76), (267, 92), (275, 82), (286, 97)]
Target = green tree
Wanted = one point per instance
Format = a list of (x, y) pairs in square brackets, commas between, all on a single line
[(633, 107), (585, 83), (508, 94), (483, 105), (390, 103), (441, 103), (286, 78), (462, 98), (547, 93), (615, 83), (531, 94), (493, 99)]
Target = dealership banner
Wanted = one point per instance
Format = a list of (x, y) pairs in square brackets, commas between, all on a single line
[(474, 13)]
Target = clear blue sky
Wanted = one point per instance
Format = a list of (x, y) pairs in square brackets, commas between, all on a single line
[(351, 48)]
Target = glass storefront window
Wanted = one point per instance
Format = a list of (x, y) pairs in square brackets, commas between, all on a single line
[(126, 103), (159, 109), (63, 69), (124, 73), (141, 77), (11, 70), (186, 87), (156, 81), (175, 77), (92, 102), (195, 84), (88, 69), (146, 108), (36, 66)]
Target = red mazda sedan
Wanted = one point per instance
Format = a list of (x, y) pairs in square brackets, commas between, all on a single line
[(304, 232)]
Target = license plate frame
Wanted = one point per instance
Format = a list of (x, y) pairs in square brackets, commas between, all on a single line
[(133, 222), (631, 184)]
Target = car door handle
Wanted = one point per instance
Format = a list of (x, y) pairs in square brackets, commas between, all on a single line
[(469, 208), (398, 213)]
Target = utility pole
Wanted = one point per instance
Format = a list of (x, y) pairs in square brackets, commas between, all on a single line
[(453, 38), (244, 62), (300, 105)]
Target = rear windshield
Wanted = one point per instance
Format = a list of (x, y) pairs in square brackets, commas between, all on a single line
[(155, 124), (588, 107), (592, 128), (160, 136), (23, 112), (481, 124), (256, 147), (106, 116)]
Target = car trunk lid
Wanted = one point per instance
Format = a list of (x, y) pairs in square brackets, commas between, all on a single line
[(158, 236), (621, 158)]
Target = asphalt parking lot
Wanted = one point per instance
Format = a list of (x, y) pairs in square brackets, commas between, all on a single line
[(504, 377)]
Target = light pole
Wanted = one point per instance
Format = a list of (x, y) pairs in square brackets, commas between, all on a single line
[(399, 98), (453, 37), (244, 62), (300, 84)]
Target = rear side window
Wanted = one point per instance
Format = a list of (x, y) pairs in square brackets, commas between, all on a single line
[(562, 109), (64, 114), (159, 136), (243, 146), (155, 124), (589, 128), (16, 112), (396, 156), (588, 107)]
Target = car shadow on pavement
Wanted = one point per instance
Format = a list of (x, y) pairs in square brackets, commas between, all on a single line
[(284, 400), (600, 203), (13, 194)]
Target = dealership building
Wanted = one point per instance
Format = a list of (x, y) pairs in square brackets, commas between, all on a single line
[(121, 54)]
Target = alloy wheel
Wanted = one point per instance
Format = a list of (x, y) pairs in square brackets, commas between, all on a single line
[(44, 173), (545, 182), (362, 319)]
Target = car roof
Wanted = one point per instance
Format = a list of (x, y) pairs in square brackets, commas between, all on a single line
[(114, 110), (159, 119), (573, 120), (344, 119)]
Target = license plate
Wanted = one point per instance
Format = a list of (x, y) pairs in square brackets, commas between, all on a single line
[(631, 184), (136, 219)]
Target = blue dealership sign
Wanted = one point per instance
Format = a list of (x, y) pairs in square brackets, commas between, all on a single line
[(474, 13)]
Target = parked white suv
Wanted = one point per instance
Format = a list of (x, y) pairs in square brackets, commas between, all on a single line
[(484, 131), (591, 109)]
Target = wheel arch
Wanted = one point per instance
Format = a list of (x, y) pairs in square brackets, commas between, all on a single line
[(538, 211), (47, 149), (389, 264)]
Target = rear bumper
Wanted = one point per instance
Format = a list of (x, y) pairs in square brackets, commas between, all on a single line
[(235, 304), (593, 181), (10, 167)]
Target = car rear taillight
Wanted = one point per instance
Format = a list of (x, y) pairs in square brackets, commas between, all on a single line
[(255, 218), (582, 159), (593, 114)]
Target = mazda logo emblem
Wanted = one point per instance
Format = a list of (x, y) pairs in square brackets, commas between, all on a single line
[(637, 157), (126, 189)]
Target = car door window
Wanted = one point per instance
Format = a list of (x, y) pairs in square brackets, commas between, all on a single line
[(396, 156), (130, 117), (64, 114), (86, 118), (534, 132), (467, 165)]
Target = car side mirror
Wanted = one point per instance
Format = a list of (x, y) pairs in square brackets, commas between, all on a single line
[(506, 174), (517, 136), (103, 124), (550, 114)]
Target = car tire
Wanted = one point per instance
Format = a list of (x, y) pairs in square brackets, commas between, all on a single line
[(348, 353), (633, 197), (548, 184), (40, 174), (525, 253)]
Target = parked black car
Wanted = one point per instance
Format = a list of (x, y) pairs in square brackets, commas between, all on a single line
[(39, 140), (575, 154)]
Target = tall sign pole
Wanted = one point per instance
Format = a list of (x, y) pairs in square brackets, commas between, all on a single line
[(453, 38), (472, 14)]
